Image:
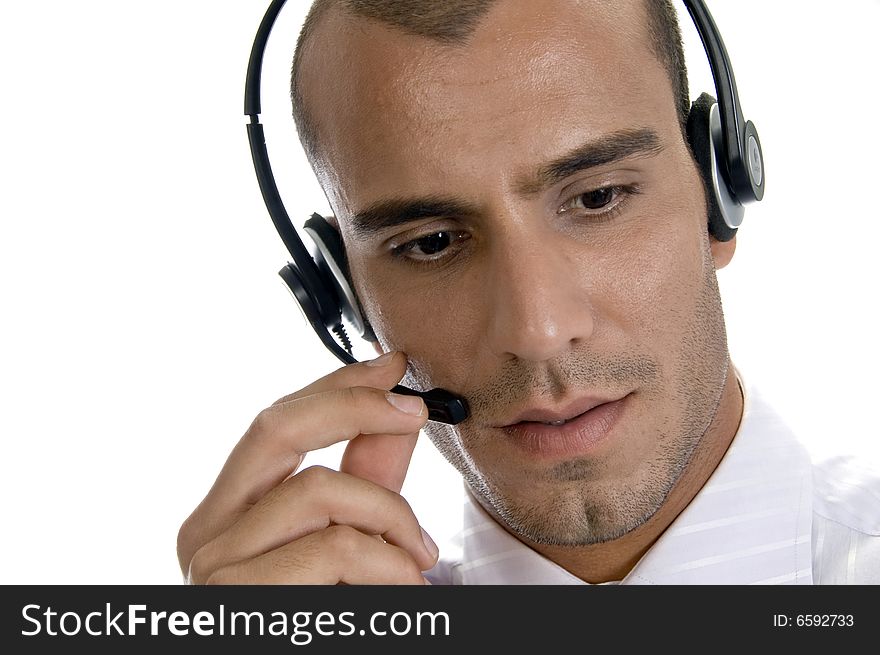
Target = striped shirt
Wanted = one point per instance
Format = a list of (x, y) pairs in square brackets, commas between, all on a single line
[(767, 515)]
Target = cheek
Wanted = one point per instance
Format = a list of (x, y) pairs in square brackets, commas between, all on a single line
[(650, 277), (395, 312), (434, 326)]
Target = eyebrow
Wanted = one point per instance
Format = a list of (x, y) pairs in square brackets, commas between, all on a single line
[(393, 212), (605, 150)]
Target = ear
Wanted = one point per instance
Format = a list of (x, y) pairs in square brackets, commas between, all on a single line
[(722, 251)]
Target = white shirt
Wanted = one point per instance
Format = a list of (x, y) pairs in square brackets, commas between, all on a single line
[(767, 515)]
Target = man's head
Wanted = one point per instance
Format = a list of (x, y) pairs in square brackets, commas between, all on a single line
[(523, 218)]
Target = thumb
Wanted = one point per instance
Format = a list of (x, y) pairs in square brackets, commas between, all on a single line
[(380, 458)]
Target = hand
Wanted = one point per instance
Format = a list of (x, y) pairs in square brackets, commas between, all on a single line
[(263, 522)]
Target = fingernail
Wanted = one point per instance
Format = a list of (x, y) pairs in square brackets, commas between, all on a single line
[(412, 405), (429, 543), (381, 360)]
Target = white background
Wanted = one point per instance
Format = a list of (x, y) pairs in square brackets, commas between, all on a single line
[(143, 324)]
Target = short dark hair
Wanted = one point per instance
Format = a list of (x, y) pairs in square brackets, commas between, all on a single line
[(452, 22)]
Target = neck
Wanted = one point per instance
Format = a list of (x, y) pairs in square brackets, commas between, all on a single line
[(613, 560)]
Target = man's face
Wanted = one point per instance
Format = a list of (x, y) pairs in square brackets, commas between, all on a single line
[(523, 219)]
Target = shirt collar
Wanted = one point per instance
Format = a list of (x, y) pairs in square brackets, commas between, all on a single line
[(749, 524)]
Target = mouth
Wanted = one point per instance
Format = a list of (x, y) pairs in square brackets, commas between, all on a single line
[(562, 414), (578, 430)]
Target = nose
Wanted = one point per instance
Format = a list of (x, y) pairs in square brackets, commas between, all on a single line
[(538, 302)]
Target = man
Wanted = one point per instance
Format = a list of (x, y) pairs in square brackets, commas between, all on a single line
[(525, 225)]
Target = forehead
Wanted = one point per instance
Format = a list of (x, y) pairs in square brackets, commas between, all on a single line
[(534, 78)]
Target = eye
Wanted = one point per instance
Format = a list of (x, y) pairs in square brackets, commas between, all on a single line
[(597, 199), (432, 244), (597, 202), (430, 247)]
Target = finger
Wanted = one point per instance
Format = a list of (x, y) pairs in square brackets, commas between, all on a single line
[(382, 373), (310, 501), (235, 490), (380, 458), (274, 445), (383, 459), (337, 554)]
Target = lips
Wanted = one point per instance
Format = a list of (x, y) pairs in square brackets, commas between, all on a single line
[(581, 429), (560, 415)]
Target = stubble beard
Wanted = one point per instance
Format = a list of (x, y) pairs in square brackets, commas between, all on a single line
[(573, 509)]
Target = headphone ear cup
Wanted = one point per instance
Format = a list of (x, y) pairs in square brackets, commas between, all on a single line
[(315, 306), (700, 142), (333, 265)]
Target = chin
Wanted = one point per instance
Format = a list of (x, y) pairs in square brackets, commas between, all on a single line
[(581, 502)]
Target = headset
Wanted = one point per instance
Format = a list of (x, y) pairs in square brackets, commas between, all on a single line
[(725, 146)]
